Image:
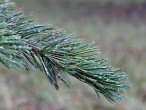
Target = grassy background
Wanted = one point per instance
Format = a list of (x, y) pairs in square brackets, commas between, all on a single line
[(121, 37)]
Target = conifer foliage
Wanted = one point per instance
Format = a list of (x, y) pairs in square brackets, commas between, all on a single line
[(24, 43)]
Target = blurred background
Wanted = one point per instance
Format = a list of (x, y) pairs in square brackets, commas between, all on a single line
[(117, 26)]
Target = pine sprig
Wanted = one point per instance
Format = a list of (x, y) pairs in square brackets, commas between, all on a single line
[(23, 43)]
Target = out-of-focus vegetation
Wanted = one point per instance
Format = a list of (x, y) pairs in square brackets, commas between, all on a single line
[(117, 26)]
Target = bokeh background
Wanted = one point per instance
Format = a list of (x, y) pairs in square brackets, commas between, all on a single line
[(117, 26)]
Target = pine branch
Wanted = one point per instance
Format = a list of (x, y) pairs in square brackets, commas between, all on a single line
[(25, 44)]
